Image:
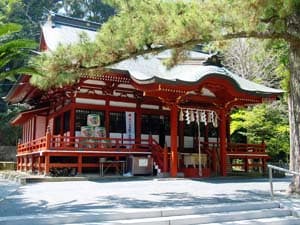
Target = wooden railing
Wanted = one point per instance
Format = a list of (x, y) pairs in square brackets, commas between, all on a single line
[(57, 142), (94, 144), (67, 143), (32, 146), (233, 148), (160, 155)]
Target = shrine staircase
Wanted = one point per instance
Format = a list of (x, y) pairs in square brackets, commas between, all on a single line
[(248, 213), (158, 158)]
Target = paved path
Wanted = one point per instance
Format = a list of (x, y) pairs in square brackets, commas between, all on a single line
[(84, 196), (7, 188)]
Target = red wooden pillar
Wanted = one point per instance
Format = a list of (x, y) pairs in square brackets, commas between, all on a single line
[(181, 136), (228, 128), (39, 164), (19, 168), (107, 117), (174, 132), (48, 139), (25, 162), (138, 126), (72, 120), (22, 163), (47, 165), (31, 163), (79, 168), (223, 146)]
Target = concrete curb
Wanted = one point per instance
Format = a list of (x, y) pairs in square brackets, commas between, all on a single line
[(25, 178)]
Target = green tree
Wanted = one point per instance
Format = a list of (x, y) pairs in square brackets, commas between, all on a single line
[(9, 134), (13, 53), (28, 13), (93, 10), (266, 123), (142, 26), (262, 62)]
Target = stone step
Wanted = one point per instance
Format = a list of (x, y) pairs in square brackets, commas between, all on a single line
[(204, 219), (288, 220), (216, 213), (147, 213), (274, 221)]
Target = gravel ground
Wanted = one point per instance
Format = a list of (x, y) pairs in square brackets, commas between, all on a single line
[(85, 196)]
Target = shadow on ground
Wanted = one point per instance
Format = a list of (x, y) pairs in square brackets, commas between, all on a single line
[(16, 206)]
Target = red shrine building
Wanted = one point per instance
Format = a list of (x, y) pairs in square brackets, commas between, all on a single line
[(137, 116)]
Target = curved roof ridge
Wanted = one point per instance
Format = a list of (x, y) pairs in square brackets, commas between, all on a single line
[(150, 68), (56, 18)]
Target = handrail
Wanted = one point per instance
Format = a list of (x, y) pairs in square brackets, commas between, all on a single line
[(271, 167)]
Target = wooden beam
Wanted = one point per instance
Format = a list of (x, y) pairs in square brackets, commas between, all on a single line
[(174, 132), (223, 154)]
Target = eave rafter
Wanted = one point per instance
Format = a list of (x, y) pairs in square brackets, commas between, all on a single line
[(241, 102)]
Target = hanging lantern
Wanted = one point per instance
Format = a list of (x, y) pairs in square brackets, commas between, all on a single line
[(181, 115)]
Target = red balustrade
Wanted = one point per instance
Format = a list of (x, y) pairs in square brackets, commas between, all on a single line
[(249, 149), (68, 143)]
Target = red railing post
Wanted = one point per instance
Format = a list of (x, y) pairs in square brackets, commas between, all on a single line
[(48, 138)]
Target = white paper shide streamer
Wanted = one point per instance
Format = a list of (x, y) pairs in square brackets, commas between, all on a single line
[(199, 116)]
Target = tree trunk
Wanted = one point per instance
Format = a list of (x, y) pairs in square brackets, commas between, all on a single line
[(294, 114)]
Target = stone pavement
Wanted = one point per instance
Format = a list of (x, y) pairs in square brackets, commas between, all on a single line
[(7, 188), (134, 194)]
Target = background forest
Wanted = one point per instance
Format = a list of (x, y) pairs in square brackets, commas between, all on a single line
[(264, 62)]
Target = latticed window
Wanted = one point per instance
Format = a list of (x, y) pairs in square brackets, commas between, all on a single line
[(81, 117), (117, 122)]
